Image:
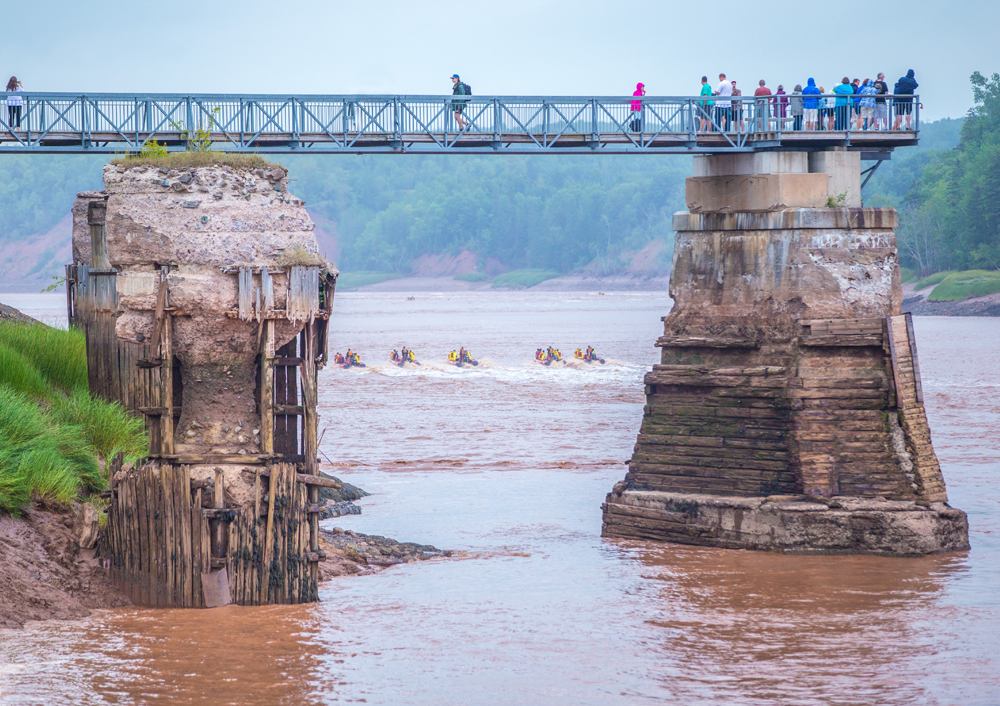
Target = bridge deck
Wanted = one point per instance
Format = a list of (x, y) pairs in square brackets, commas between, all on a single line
[(116, 123)]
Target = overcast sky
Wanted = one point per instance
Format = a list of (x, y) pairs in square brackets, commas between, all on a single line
[(514, 47)]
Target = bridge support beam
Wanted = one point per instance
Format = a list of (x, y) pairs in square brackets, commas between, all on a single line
[(786, 413)]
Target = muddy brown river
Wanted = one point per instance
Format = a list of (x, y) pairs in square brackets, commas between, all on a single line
[(507, 464)]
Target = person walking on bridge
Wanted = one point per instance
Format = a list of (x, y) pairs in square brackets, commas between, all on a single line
[(459, 89), (904, 106), (635, 124), (795, 108), (14, 103), (705, 106)]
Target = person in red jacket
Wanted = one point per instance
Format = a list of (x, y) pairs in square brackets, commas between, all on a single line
[(763, 107)]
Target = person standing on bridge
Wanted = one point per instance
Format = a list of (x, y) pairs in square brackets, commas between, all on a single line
[(14, 103), (904, 106), (737, 110), (796, 108), (705, 106), (842, 106), (881, 108), (763, 107), (810, 104), (635, 124), (723, 107), (459, 89)]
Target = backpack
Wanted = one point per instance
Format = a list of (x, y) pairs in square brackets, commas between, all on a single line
[(468, 88)]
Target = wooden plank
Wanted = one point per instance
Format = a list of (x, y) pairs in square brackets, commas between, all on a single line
[(197, 601), (167, 388), (148, 568), (268, 536), (187, 549), (170, 543)]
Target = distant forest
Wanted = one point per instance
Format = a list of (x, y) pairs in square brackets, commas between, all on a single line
[(561, 213), (948, 190), (547, 212)]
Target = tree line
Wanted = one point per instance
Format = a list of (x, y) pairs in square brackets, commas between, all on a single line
[(950, 205)]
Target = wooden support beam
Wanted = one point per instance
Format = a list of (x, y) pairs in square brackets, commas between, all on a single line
[(318, 481), (164, 327), (234, 459), (267, 388), (284, 362)]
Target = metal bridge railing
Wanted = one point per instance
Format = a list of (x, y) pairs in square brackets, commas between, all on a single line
[(124, 123)]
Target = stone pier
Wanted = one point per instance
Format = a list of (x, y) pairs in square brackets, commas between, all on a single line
[(787, 412)]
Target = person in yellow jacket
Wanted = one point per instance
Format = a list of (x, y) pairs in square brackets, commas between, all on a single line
[(453, 357), (578, 354)]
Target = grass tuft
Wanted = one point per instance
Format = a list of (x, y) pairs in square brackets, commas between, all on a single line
[(59, 356), (299, 254), (107, 426), (958, 286), (19, 374), (52, 432), (908, 275), (522, 279), (39, 458), (190, 160)]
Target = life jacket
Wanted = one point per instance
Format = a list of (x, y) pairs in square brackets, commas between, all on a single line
[(578, 353), (338, 359), (410, 355), (453, 356)]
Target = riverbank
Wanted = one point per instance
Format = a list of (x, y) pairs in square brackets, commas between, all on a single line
[(50, 568), (917, 303)]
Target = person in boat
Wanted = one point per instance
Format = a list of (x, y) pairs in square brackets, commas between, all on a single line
[(554, 354), (349, 358), (411, 356), (578, 354), (591, 354), (355, 359), (540, 355), (453, 357), (338, 358)]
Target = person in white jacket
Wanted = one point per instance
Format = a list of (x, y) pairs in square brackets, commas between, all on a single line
[(14, 103)]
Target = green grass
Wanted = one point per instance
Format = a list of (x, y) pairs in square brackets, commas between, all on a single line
[(59, 356), (190, 160), (963, 285), (350, 280), (472, 277), (935, 278), (53, 434), (522, 279), (908, 275), (40, 457)]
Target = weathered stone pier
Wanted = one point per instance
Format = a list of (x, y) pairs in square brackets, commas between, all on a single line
[(787, 411), (205, 306)]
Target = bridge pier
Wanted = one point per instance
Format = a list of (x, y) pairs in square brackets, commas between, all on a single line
[(787, 412)]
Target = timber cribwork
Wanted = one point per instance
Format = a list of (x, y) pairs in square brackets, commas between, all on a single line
[(169, 535)]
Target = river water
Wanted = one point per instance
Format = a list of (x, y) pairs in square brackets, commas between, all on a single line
[(507, 464)]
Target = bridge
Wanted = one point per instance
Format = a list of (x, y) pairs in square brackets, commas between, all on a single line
[(360, 124)]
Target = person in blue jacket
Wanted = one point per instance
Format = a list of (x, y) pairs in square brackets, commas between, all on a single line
[(904, 106), (810, 104), (843, 107)]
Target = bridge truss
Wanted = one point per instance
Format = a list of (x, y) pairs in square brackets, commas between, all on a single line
[(333, 124)]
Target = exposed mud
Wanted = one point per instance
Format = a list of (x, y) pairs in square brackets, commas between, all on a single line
[(916, 302), (45, 574)]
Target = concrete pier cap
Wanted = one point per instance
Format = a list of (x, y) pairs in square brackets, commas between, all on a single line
[(786, 413), (768, 181)]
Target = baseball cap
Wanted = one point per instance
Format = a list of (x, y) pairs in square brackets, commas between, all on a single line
[(455, 76)]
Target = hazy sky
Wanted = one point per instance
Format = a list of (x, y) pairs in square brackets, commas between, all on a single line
[(515, 47)]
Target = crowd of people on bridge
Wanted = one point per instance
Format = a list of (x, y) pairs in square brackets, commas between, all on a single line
[(851, 105)]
